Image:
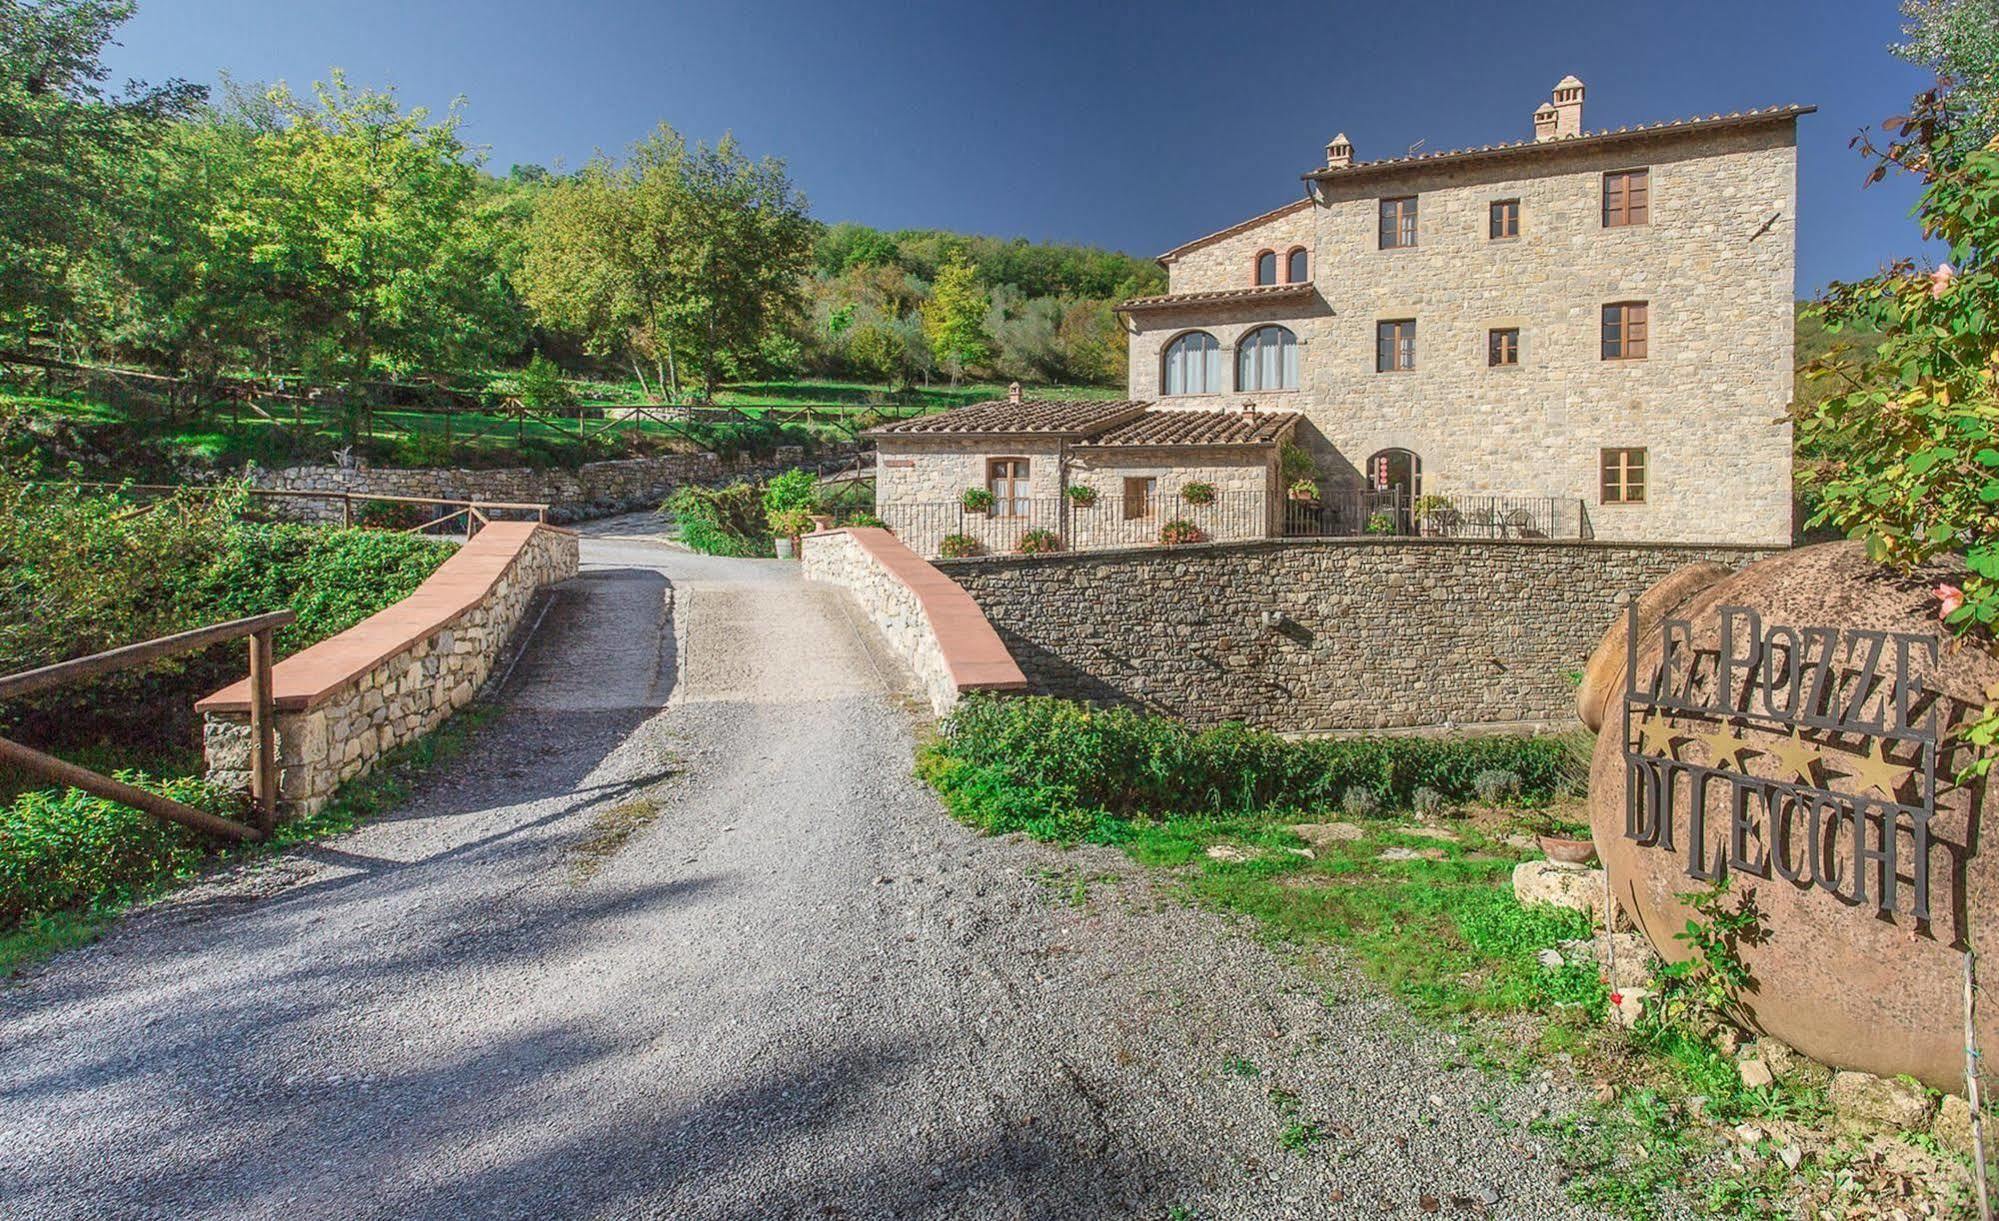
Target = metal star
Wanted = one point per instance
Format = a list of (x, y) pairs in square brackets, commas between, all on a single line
[(1722, 746), (1656, 736), (1873, 771), (1794, 755)]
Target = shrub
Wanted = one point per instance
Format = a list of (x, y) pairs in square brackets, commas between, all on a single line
[(1116, 763), (1295, 465), (1496, 786), (1426, 801), (976, 500), (1381, 523), (958, 546), (1360, 802), (64, 850), (1179, 531), (1081, 495), (1038, 542), (721, 521), (1198, 493), (865, 518), (794, 489), (790, 523)]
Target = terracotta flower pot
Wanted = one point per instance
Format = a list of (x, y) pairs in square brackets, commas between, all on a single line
[(1567, 851)]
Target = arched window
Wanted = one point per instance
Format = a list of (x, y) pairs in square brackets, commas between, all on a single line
[(1267, 359), (1396, 470), (1192, 365), (1294, 266), (1266, 267)]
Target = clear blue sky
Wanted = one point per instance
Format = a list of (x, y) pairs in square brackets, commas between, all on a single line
[(1130, 125)]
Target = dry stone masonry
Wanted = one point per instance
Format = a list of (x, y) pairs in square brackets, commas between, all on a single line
[(346, 702), (1322, 634)]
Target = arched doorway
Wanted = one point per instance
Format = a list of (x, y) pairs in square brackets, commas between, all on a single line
[(1395, 480), (1396, 470)]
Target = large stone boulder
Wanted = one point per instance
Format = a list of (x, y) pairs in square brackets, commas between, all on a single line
[(1798, 740)]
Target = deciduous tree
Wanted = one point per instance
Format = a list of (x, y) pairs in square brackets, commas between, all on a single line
[(954, 320)]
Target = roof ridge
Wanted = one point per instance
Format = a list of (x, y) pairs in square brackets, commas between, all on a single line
[(1232, 230)]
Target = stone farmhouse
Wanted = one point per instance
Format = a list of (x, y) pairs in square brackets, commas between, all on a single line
[(1585, 334)]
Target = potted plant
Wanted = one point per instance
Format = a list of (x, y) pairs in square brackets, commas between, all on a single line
[(1038, 542), (958, 546), (1082, 495), (1563, 840), (1381, 523), (1179, 531), (976, 500), (1303, 490), (1198, 493), (785, 527)]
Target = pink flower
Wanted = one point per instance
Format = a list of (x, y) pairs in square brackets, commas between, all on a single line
[(1951, 597), (1940, 280)]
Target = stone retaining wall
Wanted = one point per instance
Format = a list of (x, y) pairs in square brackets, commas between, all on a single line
[(345, 702), (922, 614), (594, 489), (1374, 634)]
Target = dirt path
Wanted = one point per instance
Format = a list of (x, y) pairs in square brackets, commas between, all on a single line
[(681, 937)]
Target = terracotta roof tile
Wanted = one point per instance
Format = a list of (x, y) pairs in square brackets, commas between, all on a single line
[(1168, 427), (1049, 417), (1217, 296), (1232, 230), (1744, 118)]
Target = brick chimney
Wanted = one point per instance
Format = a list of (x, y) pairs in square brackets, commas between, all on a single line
[(1339, 153), (1013, 393), (1562, 117)]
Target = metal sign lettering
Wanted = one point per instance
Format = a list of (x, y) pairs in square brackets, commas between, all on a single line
[(1848, 736)]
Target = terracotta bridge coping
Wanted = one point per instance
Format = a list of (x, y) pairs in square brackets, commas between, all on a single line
[(312, 675), (973, 652)]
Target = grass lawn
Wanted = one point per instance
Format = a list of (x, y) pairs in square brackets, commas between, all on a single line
[(752, 416)]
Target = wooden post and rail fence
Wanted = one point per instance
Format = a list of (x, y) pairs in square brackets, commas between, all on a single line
[(263, 795), (477, 513)]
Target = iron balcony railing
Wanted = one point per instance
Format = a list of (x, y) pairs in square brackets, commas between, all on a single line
[(1027, 525)]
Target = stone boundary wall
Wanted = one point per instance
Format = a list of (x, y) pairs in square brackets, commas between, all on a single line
[(1374, 633), (345, 702), (594, 489), (922, 614)]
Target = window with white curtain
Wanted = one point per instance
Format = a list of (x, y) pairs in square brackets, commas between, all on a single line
[(1192, 365), (1267, 359)]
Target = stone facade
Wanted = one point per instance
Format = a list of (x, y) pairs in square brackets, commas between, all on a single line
[(1715, 266), (416, 683), (925, 619), (593, 489), (1374, 634)]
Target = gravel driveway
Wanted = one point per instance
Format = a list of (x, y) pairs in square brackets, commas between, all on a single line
[(679, 936)]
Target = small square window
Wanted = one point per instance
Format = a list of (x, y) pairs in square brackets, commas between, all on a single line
[(1139, 497), (1623, 480), (1626, 330), (1505, 220), (1502, 347), (1398, 222), (1395, 346)]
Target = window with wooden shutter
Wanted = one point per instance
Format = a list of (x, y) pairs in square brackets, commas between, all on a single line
[(1627, 198), (1138, 497), (1505, 220), (1502, 347), (1398, 222), (1626, 330), (1006, 479), (1623, 476), (1395, 346)]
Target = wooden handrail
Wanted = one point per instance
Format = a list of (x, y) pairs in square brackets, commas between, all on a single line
[(64, 672), (347, 498), (263, 735)]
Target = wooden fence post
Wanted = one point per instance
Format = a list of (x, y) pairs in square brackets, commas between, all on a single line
[(347, 509), (263, 734)]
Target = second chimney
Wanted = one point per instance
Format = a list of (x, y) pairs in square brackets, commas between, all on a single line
[(1339, 153), (1562, 116), (1013, 393)]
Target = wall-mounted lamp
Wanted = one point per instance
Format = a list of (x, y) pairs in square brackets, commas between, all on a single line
[(1273, 620)]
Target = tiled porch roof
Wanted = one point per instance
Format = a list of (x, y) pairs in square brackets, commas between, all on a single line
[(1036, 417), (1219, 296), (1186, 427)]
